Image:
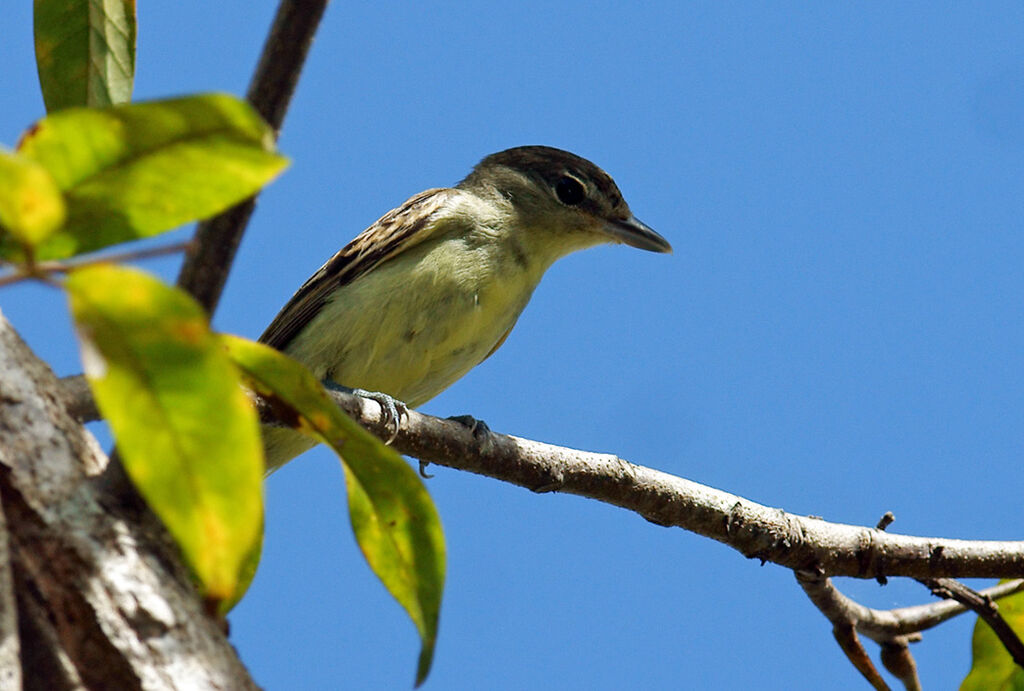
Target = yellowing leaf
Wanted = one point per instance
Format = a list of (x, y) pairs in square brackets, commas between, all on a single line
[(394, 520), (85, 51), (992, 668), (187, 433), (31, 206), (134, 171)]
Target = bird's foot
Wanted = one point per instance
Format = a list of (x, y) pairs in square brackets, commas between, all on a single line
[(392, 410), (478, 428)]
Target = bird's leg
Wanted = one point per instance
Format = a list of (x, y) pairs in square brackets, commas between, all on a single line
[(391, 408)]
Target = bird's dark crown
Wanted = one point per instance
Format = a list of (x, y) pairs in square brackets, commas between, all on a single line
[(548, 164)]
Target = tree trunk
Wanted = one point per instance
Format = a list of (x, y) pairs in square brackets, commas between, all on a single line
[(92, 591)]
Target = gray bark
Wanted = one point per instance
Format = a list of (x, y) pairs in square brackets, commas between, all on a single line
[(92, 591)]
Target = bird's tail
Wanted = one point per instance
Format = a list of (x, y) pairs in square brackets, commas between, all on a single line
[(281, 444)]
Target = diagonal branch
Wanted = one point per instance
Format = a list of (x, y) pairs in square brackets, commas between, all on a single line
[(985, 607), (755, 530), (209, 258), (206, 267), (216, 240)]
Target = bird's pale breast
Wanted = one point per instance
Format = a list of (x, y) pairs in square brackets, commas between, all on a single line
[(418, 322)]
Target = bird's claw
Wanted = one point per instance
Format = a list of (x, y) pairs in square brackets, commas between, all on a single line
[(423, 470), (391, 409)]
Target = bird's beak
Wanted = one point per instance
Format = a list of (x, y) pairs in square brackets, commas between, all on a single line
[(636, 233)]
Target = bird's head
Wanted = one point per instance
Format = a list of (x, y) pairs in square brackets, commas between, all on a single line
[(561, 194)]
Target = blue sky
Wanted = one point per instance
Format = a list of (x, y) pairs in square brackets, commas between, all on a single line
[(838, 332)]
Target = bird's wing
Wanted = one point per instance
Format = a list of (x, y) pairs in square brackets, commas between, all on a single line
[(395, 232), (500, 341)]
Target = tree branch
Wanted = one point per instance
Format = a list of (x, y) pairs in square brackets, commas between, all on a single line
[(845, 634), (891, 629), (885, 625), (985, 607), (78, 398), (206, 267), (757, 531), (897, 659)]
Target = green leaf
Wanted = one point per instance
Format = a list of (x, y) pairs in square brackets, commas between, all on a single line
[(31, 206), (187, 432), (393, 517), (134, 171), (85, 51), (993, 669)]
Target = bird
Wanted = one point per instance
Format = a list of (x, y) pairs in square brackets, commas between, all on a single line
[(434, 287)]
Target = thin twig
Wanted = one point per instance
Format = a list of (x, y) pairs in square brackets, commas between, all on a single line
[(985, 607), (115, 257), (19, 276), (886, 625), (15, 277), (79, 399), (41, 270), (205, 270), (845, 634), (897, 659)]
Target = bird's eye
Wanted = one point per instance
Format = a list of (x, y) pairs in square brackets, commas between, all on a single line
[(570, 191)]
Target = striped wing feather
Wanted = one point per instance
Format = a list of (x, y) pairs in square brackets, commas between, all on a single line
[(395, 232)]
